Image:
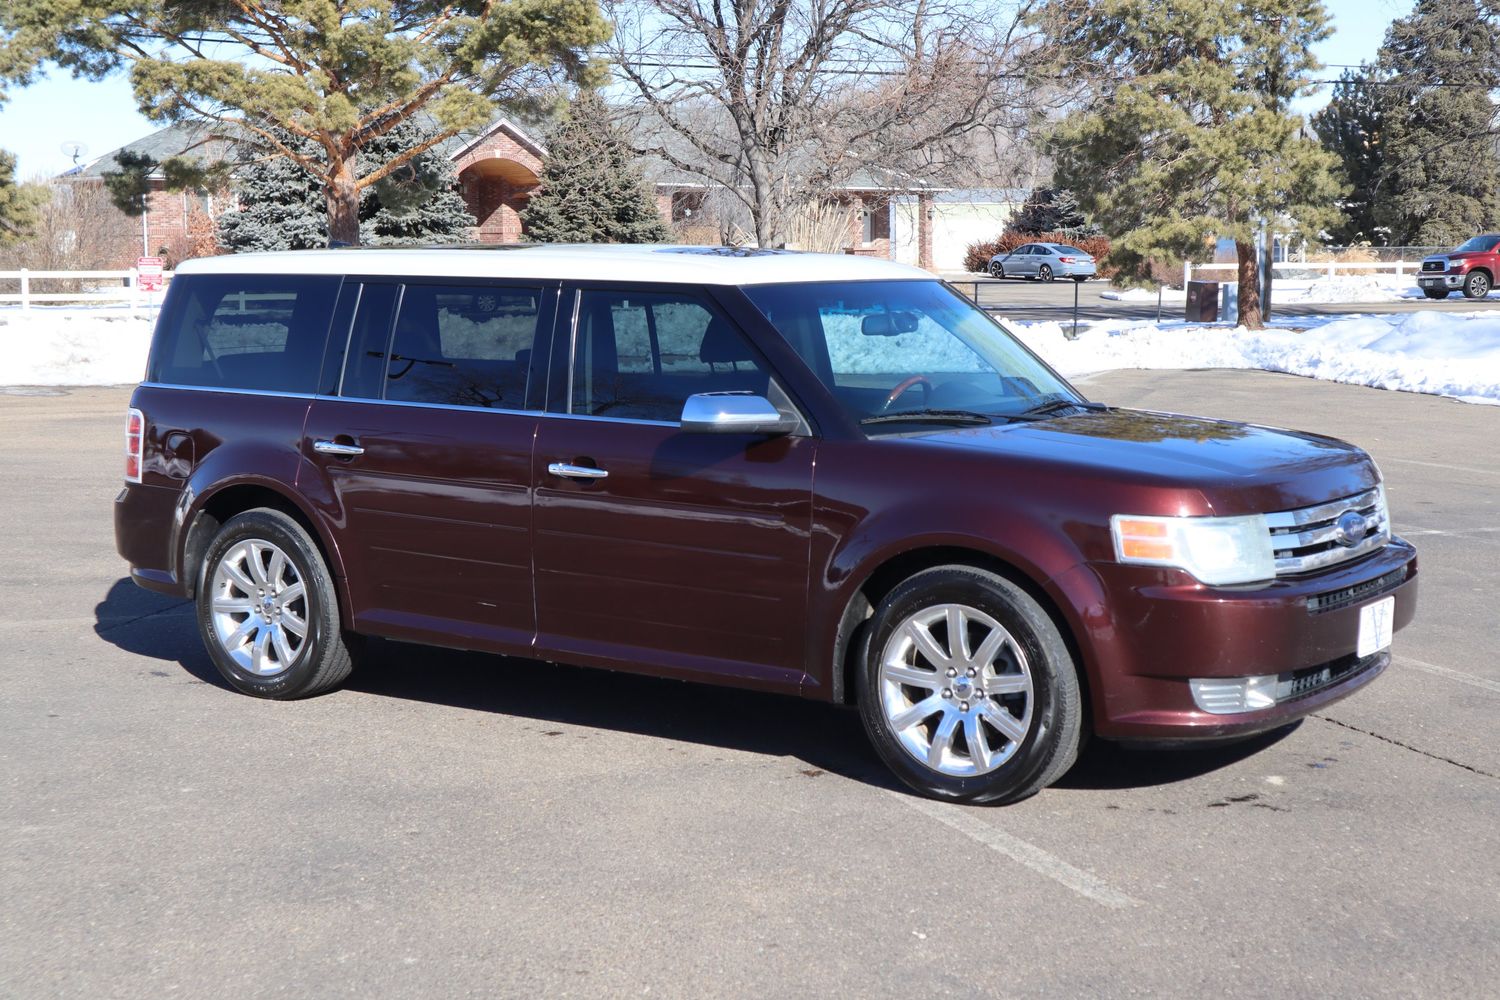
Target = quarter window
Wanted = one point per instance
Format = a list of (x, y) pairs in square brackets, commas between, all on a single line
[(264, 332), (640, 355)]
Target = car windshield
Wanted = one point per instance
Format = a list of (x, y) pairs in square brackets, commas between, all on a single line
[(1479, 244), (916, 348)]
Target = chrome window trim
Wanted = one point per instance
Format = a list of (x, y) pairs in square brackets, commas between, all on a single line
[(611, 420), (238, 392), (433, 406)]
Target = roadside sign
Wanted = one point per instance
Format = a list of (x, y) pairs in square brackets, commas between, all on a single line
[(148, 273)]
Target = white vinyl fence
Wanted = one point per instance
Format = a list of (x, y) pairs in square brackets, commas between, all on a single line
[(1309, 269), (92, 288)]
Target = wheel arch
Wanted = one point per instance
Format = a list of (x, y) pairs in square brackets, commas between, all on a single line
[(881, 579), (222, 502)]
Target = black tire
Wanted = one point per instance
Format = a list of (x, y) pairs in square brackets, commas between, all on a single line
[(1051, 741), (1435, 293), (323, 659), (997, 269), (1476, 285), (1044, 273)]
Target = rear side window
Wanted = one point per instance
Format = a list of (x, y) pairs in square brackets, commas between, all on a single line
[(229, 331), (452, 345)]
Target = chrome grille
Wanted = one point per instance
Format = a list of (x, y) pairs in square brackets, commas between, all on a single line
[(1307, 539), (1435, 265)]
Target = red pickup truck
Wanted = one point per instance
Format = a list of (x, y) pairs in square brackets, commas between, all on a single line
[(1471, 267)]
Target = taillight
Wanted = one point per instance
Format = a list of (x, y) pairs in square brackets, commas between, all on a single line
[(1065, 260), (135, 433)]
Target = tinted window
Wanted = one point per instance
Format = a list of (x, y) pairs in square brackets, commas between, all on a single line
[(640, 356), (459, 346), (244, 331), (1479, 244), (1073, 250)]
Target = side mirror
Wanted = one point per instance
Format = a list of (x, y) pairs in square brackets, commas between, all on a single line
[(734, 413)]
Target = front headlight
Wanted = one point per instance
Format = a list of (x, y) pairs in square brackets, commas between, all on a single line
[(1217, 550)]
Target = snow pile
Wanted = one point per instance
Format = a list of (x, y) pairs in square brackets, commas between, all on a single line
[(1449, 354), (74, 346), (1372, 287)]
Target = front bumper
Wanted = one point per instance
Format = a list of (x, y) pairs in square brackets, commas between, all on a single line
[(1433, 279), (1149, 632)]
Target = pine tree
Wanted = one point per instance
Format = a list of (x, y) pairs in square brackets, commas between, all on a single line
[(282, 206), (592, 190), (1053, 210), (1188, 135), (341, 73), (19, 203), (1440, 177), (1351, 127)]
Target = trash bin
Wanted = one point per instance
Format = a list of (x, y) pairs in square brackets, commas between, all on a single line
[(1202, 302)]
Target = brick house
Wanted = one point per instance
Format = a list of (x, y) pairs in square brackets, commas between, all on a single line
[(498, 171)]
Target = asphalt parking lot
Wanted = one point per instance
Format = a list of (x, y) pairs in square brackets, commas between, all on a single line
[(452, 825), (1033, 301)]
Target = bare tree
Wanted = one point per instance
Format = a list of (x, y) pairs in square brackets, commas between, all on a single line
[(77, 229), (780, 101)]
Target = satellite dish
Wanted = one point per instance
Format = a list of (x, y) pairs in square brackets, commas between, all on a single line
[(74, 149)]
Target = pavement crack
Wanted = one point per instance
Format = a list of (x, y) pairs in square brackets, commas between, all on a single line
[(112, 626), (1408, 746)]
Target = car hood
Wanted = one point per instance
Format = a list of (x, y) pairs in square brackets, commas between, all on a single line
[(1236, 467)]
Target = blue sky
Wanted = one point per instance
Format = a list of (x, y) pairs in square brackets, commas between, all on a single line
[(36, 121)]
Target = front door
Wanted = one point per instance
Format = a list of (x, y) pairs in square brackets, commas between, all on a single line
[(683, 554), (424, 461)]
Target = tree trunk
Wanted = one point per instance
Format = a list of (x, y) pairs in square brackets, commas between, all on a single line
[(1249, 291), (343, 206)]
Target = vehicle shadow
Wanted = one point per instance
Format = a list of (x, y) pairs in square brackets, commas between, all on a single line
[(827, 738)]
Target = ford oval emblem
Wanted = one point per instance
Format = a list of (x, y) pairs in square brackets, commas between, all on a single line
[(1349, 529)]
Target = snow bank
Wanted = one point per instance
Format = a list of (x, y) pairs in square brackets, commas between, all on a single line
[(73, 346), (1449, 354)]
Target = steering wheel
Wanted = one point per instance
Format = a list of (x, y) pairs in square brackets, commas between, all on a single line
[(907, 383)]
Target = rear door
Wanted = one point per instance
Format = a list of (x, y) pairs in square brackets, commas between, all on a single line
[(677, 553), (423, 459)]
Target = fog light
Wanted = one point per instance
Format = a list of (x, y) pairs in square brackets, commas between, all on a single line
[(1230, 695)]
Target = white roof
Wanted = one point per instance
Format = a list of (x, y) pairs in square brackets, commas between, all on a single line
[(671, 264)]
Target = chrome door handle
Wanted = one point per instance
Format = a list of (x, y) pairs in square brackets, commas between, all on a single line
[(334, 448), (576, 471)]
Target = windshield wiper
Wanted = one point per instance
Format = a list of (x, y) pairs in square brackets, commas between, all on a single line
[(963, 418), (1054, 405)]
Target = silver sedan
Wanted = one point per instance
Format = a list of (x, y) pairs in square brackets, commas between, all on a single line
[(1044, 261)]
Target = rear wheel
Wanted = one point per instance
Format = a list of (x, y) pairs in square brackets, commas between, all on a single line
[(1435, 293), (1476, 285), (1045, 273), (966, 688), (267, 610)]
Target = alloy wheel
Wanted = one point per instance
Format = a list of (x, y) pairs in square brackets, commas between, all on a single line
[(956, 690), (259, 608)]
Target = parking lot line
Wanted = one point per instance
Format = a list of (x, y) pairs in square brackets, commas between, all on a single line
[(1450, 673), (1441, 465), (1022, 851)]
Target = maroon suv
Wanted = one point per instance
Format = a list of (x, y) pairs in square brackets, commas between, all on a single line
[(831, 477)]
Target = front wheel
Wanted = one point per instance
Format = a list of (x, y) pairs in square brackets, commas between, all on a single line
[(997, 270), (966, 688), (267, 609), (1477, 285), (1045, 273)]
